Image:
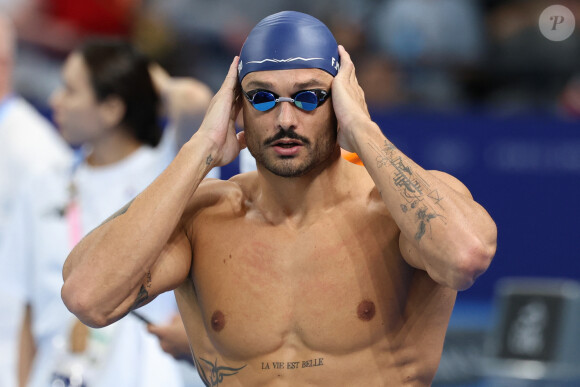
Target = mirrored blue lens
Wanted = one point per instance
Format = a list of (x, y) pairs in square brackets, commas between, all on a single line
[(263, 101), (306, 100)]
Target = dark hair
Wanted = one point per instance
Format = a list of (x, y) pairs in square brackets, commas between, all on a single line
[(117, 69)]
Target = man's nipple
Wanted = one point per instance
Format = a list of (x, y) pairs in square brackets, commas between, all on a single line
[(218, 321), (366, 310)]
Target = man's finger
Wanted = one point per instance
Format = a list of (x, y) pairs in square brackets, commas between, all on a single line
[(232, 78), (344, 56), (345, 61)]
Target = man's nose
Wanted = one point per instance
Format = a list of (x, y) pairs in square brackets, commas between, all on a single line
[(286, 114)]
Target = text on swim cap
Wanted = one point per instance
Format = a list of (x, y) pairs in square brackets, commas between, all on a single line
[(335, 64)]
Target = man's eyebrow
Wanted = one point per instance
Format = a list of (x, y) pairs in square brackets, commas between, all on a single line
[(259, 85), (309, 84)]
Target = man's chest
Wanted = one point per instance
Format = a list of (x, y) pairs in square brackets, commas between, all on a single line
[(259, 286)]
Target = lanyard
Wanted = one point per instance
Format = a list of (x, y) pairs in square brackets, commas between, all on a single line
[(73, 218), (73, 209)]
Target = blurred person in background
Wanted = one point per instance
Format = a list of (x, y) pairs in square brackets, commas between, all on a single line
[(382, 80), (184, 101), (108, 106), (431, 41), (29, 145), (569, 101), (48, 30), (523, 69)]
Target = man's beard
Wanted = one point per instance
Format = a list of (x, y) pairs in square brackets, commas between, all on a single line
[(287, 166)]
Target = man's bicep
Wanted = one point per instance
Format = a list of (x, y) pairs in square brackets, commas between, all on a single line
[(173, 265), (169, 271), (174, 262)]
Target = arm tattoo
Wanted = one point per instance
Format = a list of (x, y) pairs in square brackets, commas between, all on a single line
[(208, 160), (413, 189), (212, 375), (143, 294)]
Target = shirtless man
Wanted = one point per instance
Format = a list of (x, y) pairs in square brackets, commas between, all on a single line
[(311, 271)]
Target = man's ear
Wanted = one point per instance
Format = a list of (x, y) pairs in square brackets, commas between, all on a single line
[(242, 139), (112, 110)]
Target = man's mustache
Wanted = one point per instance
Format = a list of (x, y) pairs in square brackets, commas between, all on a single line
[(290, 134)]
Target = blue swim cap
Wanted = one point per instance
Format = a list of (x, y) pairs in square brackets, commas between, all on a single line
[(289, 40)]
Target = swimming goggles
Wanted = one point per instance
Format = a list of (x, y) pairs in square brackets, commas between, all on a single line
[(307, 100)]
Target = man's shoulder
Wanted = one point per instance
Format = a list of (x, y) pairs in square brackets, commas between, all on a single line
[(365, 191), (247, 182), (216, 194)]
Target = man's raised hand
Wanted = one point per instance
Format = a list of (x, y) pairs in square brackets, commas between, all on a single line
[(218, 125), (349, 103)]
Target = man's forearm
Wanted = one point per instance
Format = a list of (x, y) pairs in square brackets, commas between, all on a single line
[(415, 200), (446, 229), (115, 260)]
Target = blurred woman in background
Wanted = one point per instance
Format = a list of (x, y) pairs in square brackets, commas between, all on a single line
[(108, 107)]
